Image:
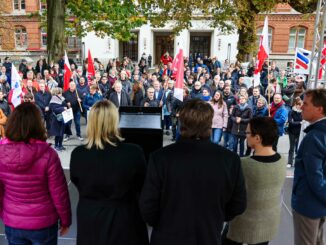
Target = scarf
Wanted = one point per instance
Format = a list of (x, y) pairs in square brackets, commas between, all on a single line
[(57, 100), (275, 107), (206, 98), (243, 106)]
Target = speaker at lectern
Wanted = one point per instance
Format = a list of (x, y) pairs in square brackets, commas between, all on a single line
[(142, 126)]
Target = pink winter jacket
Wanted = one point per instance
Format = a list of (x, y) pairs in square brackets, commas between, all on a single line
[(220, 118), (33, 188)]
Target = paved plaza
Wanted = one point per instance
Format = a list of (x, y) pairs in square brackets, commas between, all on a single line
[(285, 235)]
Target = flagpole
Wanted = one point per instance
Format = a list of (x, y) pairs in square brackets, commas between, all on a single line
[(81, 109), (269, 90)]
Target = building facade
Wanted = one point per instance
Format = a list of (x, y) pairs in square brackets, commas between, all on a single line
[(287, 30), (21, 34), (200, 38)]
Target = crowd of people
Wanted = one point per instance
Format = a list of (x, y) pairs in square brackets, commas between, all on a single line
[(228, 88), (191, 192)]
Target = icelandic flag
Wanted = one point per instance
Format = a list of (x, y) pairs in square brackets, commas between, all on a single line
[(15, 86), (302, 61)]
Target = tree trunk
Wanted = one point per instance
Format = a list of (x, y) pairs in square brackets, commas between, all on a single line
[(56, 40), (247, 39)]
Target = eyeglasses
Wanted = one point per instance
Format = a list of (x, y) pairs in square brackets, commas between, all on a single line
[(247, 132)]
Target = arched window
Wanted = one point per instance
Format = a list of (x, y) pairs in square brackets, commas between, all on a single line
[(270, 36), (20, 37), (297, 38), (19, 5)]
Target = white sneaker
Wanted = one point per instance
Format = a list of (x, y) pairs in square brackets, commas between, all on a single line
[(289, 166), (81, 138), (66, 138)]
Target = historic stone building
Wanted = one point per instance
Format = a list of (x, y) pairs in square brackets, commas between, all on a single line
[(21, 34), (287, 30)]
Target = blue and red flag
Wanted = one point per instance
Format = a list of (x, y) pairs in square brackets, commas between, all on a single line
[(302, 61)]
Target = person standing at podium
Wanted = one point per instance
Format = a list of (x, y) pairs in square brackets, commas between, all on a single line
[(193, 185), (109, 175)]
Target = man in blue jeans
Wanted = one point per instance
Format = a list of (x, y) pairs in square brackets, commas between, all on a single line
[(309, 184), (73, 99)]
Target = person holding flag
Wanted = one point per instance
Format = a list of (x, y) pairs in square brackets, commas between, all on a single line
[(263, 54), (15, 96)]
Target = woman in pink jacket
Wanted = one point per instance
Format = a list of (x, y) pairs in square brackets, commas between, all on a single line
[(220, 118), (33, 189)]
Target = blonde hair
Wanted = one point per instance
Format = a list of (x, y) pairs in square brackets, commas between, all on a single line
[(103, 125), (56, 91)]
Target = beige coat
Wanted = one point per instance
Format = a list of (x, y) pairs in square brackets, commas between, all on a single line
[(3, 121)]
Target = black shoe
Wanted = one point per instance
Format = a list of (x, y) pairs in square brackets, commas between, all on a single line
[(62, 148), (167, 133), (173, 139)]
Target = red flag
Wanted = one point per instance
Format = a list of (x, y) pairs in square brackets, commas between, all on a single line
[(263, 52), (90, 67), (322, 62), (178, 72), (67, 74)]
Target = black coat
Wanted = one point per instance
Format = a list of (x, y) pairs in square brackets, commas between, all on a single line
[(191, 188), (294, 119), (42, 100), (239, 129), (124, 99), (71, 97), (109, 182), (57, 128), (138, 97)]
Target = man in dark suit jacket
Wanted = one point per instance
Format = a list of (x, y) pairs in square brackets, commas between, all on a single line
[(119, 97), (192, 186)]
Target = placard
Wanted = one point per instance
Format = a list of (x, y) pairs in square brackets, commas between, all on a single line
[(67, 115)]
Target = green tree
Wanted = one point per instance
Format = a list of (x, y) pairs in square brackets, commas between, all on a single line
[(114, 18), (227, 15)]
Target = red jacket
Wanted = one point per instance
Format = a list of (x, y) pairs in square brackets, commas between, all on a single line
[(33, 188), (166, 60)]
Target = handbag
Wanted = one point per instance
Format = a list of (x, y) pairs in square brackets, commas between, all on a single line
[(58, 117)]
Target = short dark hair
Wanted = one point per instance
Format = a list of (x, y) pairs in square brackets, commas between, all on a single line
[(266, 128), (25, 123), (196, 119), (318, 98)]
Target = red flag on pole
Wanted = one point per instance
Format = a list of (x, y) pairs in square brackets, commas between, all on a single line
[(178, 73), (90, 66), (67, 74), (263, 52), (322, 62)]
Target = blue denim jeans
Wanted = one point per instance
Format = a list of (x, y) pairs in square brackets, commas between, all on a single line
[(228, 140), (46, 236), (238, 140), (216, 135), (77, 123)]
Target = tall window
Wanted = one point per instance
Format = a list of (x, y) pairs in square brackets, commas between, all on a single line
[(19, 5), (1, 40), (297, 38), (270, 36), (20, 37), (44, 36)]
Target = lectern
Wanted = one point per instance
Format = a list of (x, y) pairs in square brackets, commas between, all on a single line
[(142, 126)]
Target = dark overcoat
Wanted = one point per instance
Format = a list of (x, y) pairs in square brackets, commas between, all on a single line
[(109, 182), (57, 128), (191, 188)]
